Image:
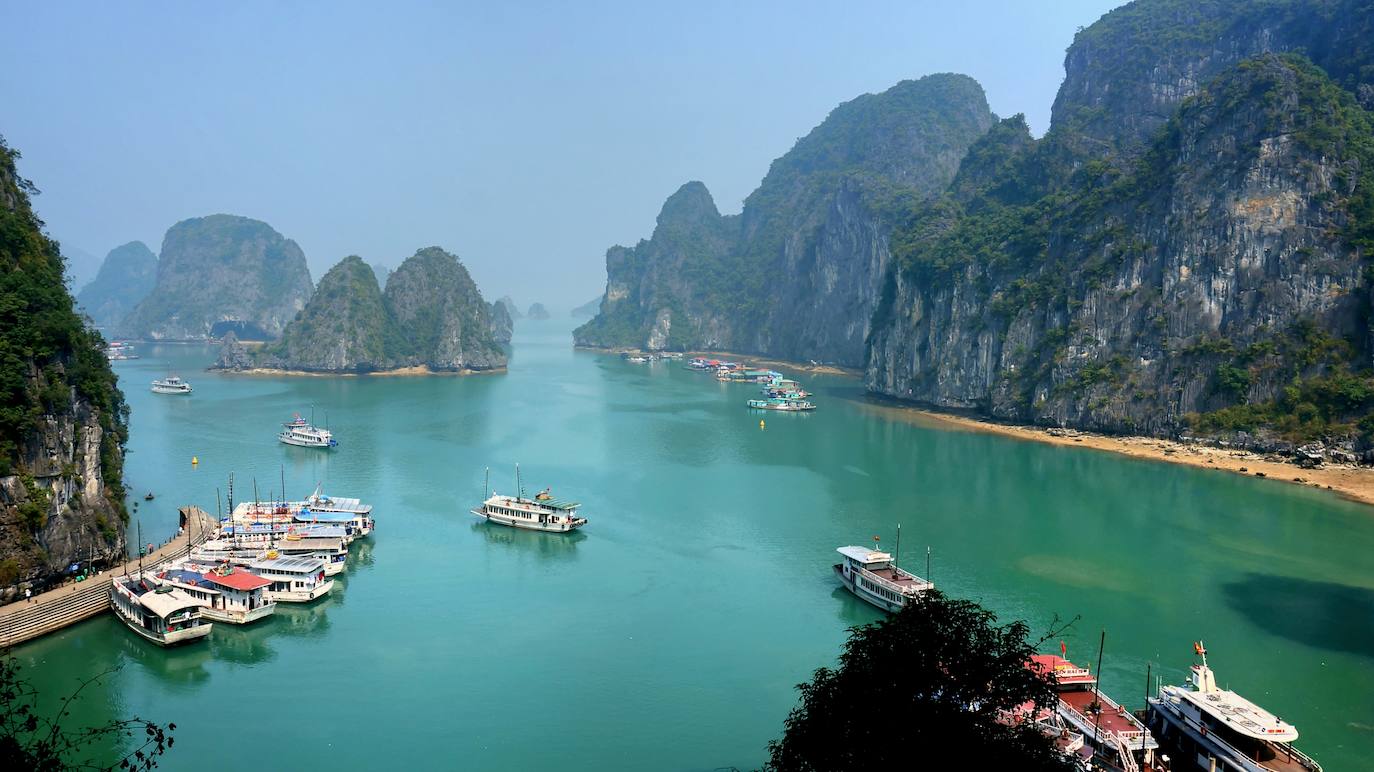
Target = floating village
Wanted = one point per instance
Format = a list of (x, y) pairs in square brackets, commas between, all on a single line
[(777, 392)]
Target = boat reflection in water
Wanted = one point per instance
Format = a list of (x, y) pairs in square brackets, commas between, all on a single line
[(534, 542)]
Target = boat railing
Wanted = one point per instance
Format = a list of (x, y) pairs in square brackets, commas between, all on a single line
[(918, 584), (1279, 747)]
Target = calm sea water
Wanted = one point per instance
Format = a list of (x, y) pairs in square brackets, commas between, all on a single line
[(670, 633)]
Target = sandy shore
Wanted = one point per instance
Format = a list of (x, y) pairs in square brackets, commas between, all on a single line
[(398, 372), (1352, 482)]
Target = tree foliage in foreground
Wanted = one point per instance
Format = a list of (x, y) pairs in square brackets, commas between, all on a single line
[(31, 741), (923, 689)]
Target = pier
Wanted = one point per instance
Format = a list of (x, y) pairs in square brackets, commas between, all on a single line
[(24, 620)]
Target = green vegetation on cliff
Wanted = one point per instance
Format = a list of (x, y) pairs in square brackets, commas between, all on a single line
[(45, 351)]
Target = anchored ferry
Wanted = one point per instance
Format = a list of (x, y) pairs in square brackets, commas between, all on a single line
[(171, 385), (1115, 739), (874, 577), (1216, 729), (299, 432)]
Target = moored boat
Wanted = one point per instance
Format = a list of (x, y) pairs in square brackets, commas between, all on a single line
[(162, 614), (781, 404), (874, 577), (171, 385), (227, 593), (541, 513), (1217, 729), (1114, 738), (294, 579)]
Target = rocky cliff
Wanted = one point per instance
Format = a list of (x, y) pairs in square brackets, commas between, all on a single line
[(798, 273), (222, 273), (511, 310), (125, 278), (431, 315), (537, 311), (1186, 248), (62, 417), (502, 326)]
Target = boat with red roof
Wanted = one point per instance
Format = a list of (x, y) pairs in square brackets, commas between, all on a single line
[(227, 593), (1113, 738)]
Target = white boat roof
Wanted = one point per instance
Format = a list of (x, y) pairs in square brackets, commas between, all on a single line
[(293, 564), (311, 543), (864, 554), (1242, 715), (165, 604)]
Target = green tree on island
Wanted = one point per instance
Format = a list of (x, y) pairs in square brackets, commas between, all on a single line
[(31, 741), (924, 689)]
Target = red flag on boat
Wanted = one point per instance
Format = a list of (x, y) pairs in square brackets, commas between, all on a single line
[(1063, 650), (1197, 648)]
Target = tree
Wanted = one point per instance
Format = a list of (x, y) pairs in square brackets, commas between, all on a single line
[(42, 744), (928, 688)]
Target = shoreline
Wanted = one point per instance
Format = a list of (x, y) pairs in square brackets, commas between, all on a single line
[(785, 364), (400, 372), (1351, 482)]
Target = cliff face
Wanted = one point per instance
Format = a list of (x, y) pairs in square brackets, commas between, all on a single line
[(537, 312), (431, 315), (126, 277), (62, 420), (502, 327), (222, 273), (1221, 265), (511, 310), (798, 272)]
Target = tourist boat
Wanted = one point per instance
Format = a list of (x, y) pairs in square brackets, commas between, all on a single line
[(639, 359), (875, 577), (226, 592), (1221, 730), (171, 385), (1114, 738), (780, 404), (300, 433), (119, 351), (294, 579), (164, 615), (541, 513), (331, 548), (317, 507)]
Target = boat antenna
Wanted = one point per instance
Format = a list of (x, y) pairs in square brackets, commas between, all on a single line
[(231, 492), (1097, 686), (519, 486), (928, 579), (486, 485)]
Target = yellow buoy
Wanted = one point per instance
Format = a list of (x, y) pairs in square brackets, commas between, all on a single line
[(760, 423), (194, 461)]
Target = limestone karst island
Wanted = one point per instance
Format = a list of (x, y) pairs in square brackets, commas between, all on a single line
[(762, 386)]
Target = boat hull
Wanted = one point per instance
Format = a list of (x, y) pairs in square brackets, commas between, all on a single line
[(238, 617), (301, 596), (863, 594), (1189, 741), (170, 638), (299, 443), (515, 522), (160, 390)]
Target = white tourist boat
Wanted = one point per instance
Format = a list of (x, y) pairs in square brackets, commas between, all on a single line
[(874, 576), (162, 614), (294, 579), (171, 385), (541, 513), (301, 433), (227, 593), (1217, 729)]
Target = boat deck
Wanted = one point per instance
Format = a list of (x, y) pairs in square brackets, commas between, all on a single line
[(897, 577), (1111, 721)]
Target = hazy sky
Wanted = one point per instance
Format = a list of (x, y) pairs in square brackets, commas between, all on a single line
[(526, 138)]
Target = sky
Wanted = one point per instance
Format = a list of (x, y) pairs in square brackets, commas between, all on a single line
[(526, 138)]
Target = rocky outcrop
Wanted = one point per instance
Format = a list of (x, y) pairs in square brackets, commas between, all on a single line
[(431, 315), (126, 277), (502, 327), (222, 273), (537, 311), (63, 426), (511, 309), (798, 273), (587, 310), (233, 355)]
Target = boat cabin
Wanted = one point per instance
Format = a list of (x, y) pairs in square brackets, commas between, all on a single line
[(229, 594), (162, 614), (873, 576), (293, 579)]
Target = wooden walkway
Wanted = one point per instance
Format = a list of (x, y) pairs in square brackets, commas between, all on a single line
[(57, 608)]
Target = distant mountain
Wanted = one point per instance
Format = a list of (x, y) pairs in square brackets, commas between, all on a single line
[(222, 273), (431, 315), (81, 267), (126, 277), (514, 312), (537, 311), (587, 310), (382, 273), (502, 326), (798, 273)]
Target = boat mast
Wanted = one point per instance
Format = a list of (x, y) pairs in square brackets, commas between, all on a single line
[(486, 485), (1147, 705), (928, 579), (1097, 686), (140, 549), (897, 555), (519, 486)]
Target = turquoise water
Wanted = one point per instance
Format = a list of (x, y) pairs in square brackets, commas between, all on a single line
[(670, 633)]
